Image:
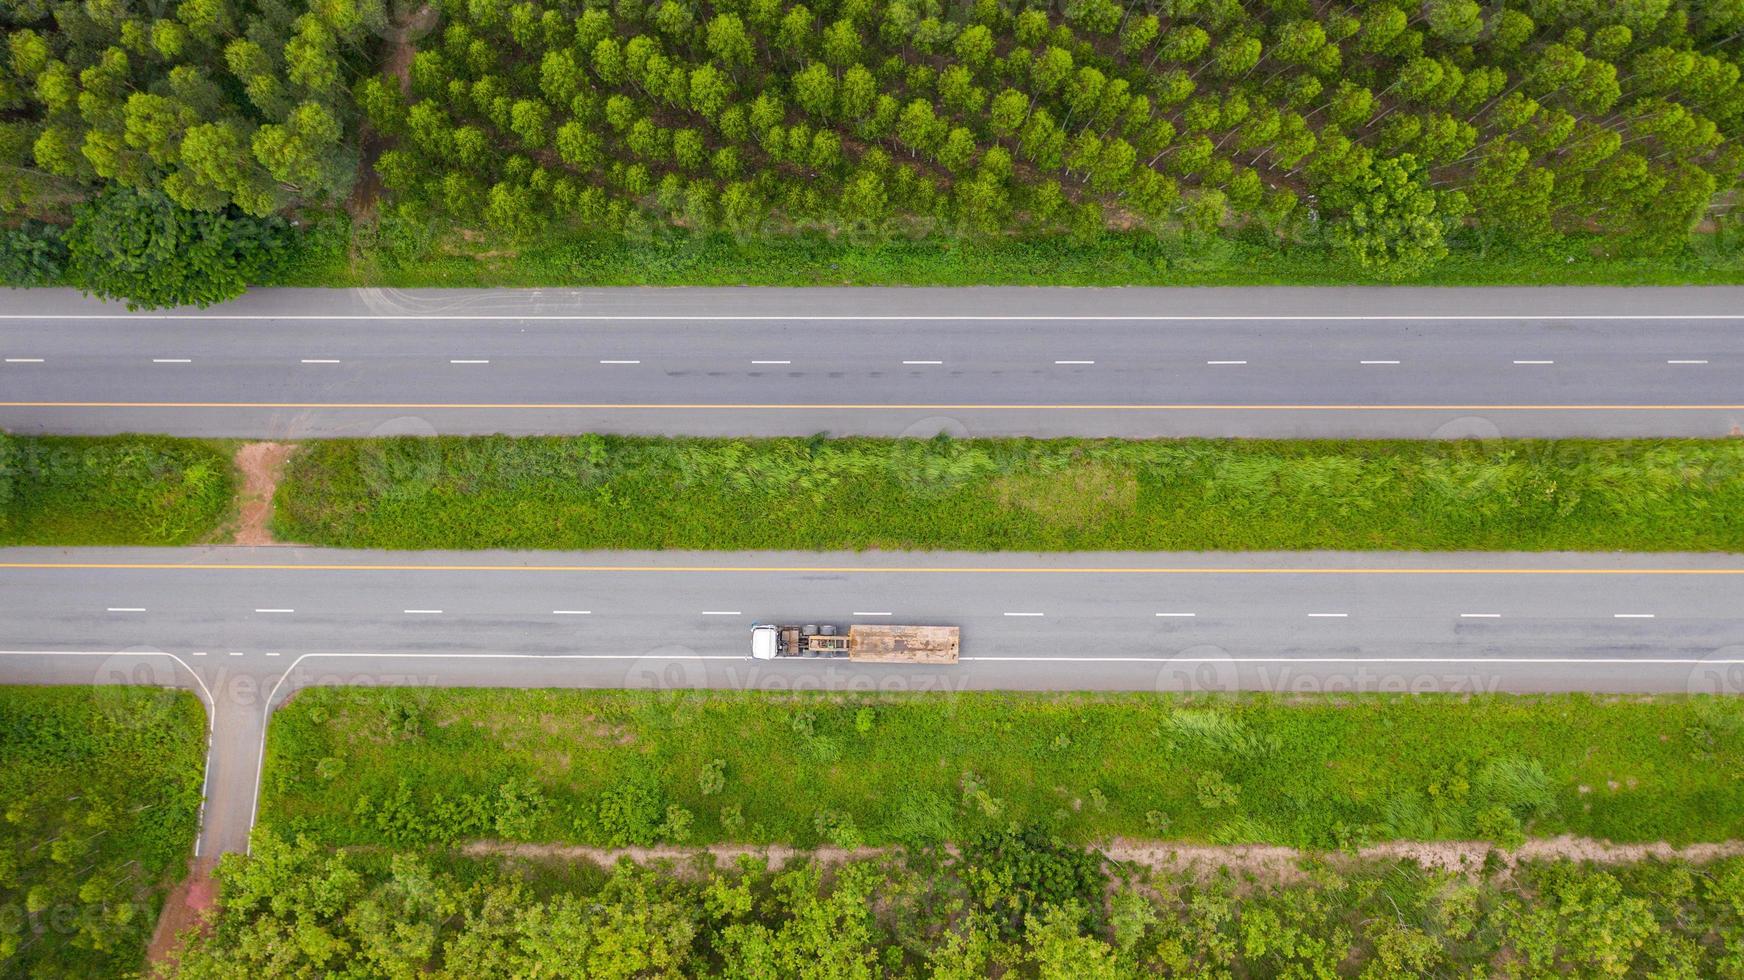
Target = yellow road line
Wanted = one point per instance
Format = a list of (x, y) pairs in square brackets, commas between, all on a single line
[(616, 407), (858, 569)]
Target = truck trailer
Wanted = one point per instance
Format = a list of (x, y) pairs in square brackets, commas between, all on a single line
[(860, 644)]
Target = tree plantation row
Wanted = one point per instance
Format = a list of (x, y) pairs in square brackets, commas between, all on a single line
[(1375, 128), (1013, 903)]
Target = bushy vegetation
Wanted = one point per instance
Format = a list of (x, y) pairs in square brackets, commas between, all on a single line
[(101, 794), (931, 914), (142, 247), (1372, 138), (618, 768), (1014, 494), (114, 490)]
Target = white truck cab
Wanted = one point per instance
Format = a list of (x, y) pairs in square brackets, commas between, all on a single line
[(764, 641)]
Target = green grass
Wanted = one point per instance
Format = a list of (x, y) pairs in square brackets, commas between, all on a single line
[(404, 767), (101, 790), (113, 490), (1014, 494), (1115, 259)]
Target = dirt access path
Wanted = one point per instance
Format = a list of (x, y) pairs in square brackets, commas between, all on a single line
[(403, 35), (261, 465), (1279, 864), (185, 908)]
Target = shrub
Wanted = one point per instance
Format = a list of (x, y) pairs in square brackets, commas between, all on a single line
[(631, 812), (1012, 874), (32, 254), (141, 247), (713, 778)]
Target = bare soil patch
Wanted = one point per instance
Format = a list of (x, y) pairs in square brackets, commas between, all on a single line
[(261, 465), (776, 855), (187, 907), (1256, 861)]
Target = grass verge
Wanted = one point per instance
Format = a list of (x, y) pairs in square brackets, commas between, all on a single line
[(1014, 494), (614, 768), (561, 258), (113, 490), (101, 786)]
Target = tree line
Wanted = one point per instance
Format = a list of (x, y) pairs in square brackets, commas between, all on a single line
[(1007, 903), (1378, 129)]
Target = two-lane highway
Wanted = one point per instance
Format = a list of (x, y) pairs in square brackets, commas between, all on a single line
[(1525, 622), (1131, 362), (245, 628)]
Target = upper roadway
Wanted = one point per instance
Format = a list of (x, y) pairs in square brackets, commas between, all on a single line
[(1334, 362)]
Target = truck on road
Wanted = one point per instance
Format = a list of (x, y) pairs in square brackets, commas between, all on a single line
[(860, 644)]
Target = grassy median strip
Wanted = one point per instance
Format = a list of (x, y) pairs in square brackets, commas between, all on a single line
[(101, 789), (434, 766), (112, 490), (1015, 494)]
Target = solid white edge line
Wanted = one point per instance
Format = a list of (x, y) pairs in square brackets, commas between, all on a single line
[(1686, 362), (872, 614), (1632, 615), (422, 612), (1478, 661), (1025, 614), (172, 360), (572, 612), (1226, 362), (1377, 362), (894, 317), (24, 360), (1634, 661), (1074, 362), (1328, 615), (275, 610), (1534, 362), (125, 609), (1480, 615), (620, 362), (721, 612), (320, 360), (464, 361), (771, 362), (923, 362), (1178, 615)]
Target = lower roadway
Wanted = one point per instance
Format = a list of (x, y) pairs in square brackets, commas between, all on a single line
[(246, 628)]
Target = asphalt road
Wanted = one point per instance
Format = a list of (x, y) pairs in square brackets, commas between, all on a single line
[(247, 627), (1408, 363)]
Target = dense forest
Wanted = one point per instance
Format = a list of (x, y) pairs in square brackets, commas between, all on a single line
[(1011, 903), (1375, 129)]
